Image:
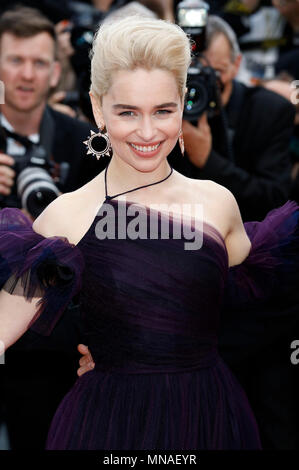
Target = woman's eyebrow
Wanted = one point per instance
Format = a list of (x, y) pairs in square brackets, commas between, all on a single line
[(128, 106)]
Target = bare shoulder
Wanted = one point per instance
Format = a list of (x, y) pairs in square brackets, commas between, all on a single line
[(68, 214), (228, 206), (220, 200), (217, 190), (54, 218), (203, 187), (227, 216)]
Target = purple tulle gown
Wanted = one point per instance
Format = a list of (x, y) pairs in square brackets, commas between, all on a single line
[(151, 312)]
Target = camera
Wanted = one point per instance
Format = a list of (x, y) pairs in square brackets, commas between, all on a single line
[(204, 92), (34, 185), (192, 16), (203, 82), (36, 176)]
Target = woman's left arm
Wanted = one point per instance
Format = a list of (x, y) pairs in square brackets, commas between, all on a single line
[(237, 242)]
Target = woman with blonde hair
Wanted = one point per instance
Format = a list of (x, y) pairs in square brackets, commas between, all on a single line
[(150, 298)]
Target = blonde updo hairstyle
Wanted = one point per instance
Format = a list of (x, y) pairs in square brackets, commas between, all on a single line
[(136, 42)]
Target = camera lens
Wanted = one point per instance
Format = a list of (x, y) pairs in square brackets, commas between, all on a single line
[(36, 189), (196, 100)]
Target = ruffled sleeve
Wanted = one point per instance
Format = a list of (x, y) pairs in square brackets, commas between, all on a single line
[(272, 266), (34, 266), (261, 296)]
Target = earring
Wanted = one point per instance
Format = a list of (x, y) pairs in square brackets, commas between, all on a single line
[(181, 142), (98, 144)]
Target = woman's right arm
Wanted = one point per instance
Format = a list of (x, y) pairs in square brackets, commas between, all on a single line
[(16, 311), (16, 314)]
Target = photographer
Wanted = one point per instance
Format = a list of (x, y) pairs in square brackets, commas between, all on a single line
[(33, 384), (29, 70), (245, 146), (241, 141)]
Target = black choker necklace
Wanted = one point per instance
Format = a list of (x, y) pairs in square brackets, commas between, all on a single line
[(107, 198)]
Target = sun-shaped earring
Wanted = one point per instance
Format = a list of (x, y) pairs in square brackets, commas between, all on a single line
[(98, 144)]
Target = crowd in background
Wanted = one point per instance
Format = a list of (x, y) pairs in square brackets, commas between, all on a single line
[(257, 159)]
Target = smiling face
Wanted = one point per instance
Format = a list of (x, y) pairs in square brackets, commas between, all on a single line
[(142, 112), (28, 70)]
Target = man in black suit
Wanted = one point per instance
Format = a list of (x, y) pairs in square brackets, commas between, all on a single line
[(257, 171), (38, 370), (259, 128)]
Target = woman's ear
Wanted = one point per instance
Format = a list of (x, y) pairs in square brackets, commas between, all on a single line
[(97, 111)]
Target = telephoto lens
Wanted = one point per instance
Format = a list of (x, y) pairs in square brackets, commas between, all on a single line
[(36, 190)]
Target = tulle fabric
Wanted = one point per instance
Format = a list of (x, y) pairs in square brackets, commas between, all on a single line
[(34, 266), (261, 295), (203, 409), (271, 270), (151, 312)]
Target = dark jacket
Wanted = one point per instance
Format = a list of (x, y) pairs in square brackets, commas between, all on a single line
[(261, 125)]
